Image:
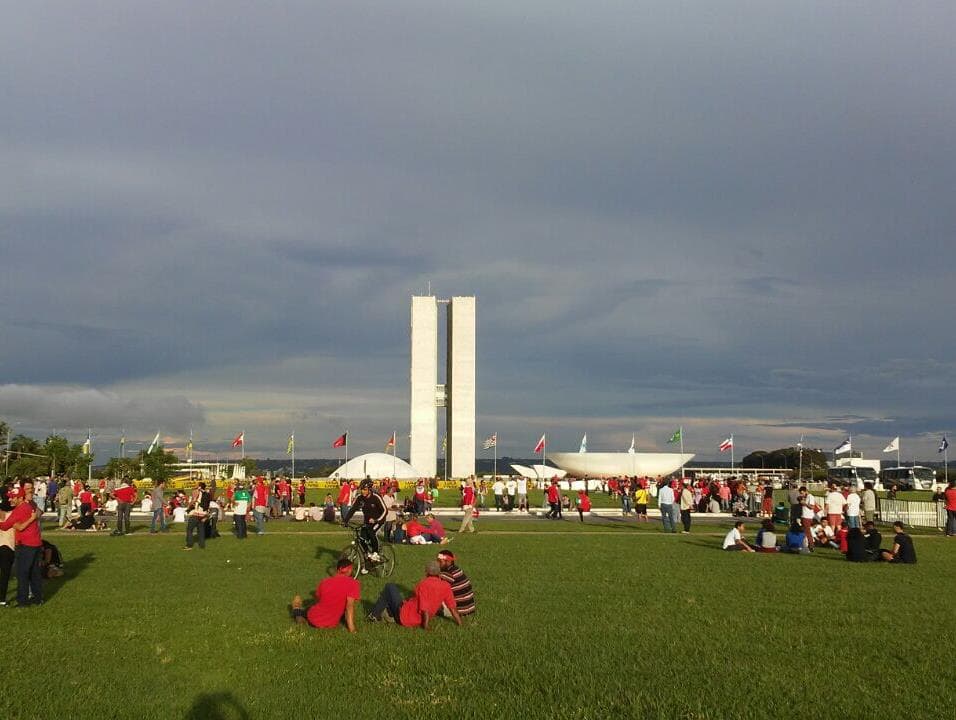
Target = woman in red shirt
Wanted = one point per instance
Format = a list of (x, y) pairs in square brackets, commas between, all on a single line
[(24, 519), (584, 504)]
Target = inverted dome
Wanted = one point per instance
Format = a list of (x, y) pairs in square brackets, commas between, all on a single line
[(605, 465), (376, 466)]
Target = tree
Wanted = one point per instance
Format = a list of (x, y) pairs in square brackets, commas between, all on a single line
[(156, 464), (122, 468), (251, 466), (814, 461)]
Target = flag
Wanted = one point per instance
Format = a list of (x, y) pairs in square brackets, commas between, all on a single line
[(86, 446), (800, 444), (152, 445), (390, 443), (492, 441), (727, 444), (676, 437), (341, 441), (444, 443), (540, 446), (123, 441), (584, 444), (290, 446), (240, 440), (893, 446), (189, 445), (631, 449), (943, 445), (843, 448)]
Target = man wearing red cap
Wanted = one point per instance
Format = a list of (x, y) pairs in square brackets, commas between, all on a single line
[(334, 597), (25, 520)]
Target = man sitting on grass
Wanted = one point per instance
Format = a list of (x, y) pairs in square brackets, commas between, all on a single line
[(427, 600), (460, 584), (434, 532), (903, 550), (734, 540), (334, 597)]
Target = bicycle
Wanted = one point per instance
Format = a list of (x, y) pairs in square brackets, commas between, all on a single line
[(357, 552)]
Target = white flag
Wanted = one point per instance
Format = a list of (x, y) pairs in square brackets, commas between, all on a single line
[(846, 447), (631, 449), (584, 444), (893, 446), (152, 445)]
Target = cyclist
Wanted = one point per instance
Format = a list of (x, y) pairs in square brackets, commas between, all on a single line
[(374, 511)]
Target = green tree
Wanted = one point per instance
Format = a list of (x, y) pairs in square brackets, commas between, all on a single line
[(814, 461), (251, 466), (156, 464), (122, 467)]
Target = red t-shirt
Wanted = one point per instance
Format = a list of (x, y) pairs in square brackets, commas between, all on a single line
[(344, 493), (430, 594), (841, 538), (332, 595), (261, 495), (125, 494), (30, 535), (584, 502), (86, 498), (950, 498), (553, 494), (468, 496), (283, 487), (413, 528)]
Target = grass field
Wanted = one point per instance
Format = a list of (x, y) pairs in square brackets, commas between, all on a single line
[(574, 621)]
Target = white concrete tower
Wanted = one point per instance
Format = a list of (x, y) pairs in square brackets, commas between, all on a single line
[(460, 387), (423, 445)]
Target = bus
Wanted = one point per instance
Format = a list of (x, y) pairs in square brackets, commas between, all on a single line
[(852, 475), (917, 477)]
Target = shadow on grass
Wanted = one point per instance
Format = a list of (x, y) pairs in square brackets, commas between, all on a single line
[(71, 569), (216, 706)]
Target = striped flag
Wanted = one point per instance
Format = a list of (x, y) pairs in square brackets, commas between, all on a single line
[(390, 443), (727, 444), (240, 440), (541, 443), (290, 446), (341, 440), (152, 445), (491, 441), (845, 447)]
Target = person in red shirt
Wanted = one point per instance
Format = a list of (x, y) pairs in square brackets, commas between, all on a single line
[(554, 500), (86, 500), (260, 503), (584, 504), (949, 497), (344, 500), (413, 530), (25, 521), (335, 597), (301, 490), (426, 601), (125, 496), (285, 496), (468, 507)]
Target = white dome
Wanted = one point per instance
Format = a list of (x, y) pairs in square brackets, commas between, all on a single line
[(376, 466)]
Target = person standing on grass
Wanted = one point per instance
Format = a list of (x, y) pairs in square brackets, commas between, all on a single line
[(335, 598), (835, 504), (903, 550), (460, 584), (260, 504), (64, 502), (197, 512), (468, 507), (159, 508), (301, 491), (868, 501), (734, 539), (853, 503), (686, 506), (583, 503), (498, 489), (344, 499), (24, 519), (522, 483), (808, 509), (641, 499), (427, 600), (665, 501), (240, 507), (8, 547), (511, 492), (125, 496), (949, 498), (554, 500)]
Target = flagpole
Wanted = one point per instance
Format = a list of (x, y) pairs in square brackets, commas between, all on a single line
[(544, 452), (394, 451), (293, 454), (731, 454), (681, 428), (346, 445), (243, 445), (496, 456), (89, 468)]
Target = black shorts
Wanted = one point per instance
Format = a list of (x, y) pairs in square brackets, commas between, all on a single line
[(640, 509)]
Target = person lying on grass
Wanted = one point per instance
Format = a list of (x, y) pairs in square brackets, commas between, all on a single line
[(427, 600), (734, 540), (335, 597)]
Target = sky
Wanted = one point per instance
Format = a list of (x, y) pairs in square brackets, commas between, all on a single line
[(737, 218)]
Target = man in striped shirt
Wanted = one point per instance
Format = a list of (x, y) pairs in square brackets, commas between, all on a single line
[(460, 584)]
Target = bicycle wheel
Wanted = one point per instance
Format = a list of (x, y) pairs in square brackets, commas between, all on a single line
[(353, 553), (387, 565)]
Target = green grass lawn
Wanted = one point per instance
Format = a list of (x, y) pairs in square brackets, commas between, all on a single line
[(574, 621)]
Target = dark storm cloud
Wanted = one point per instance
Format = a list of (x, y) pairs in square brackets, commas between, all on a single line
[(665, 211)]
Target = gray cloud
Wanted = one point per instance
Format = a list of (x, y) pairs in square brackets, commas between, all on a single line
[(736, 213)]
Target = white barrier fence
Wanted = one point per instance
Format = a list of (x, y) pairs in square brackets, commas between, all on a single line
[(912, 513)]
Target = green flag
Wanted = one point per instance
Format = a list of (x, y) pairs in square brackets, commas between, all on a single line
[(676, 436)]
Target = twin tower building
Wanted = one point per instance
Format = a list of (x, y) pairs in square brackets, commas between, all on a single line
[(456, 395)]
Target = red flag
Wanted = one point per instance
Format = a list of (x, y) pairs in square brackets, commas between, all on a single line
[(341, 440), (727, 444), (390, 442), (540, 446), (240, 439)]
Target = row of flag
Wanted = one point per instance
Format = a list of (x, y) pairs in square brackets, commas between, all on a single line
[(893, 446)]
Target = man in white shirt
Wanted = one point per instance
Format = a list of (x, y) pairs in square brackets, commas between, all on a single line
[(498, 489), (39, 495), (511, 490), (522, 484), (808, 509), (665, 502), (853, 502), (734, 539), (835, 502)]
